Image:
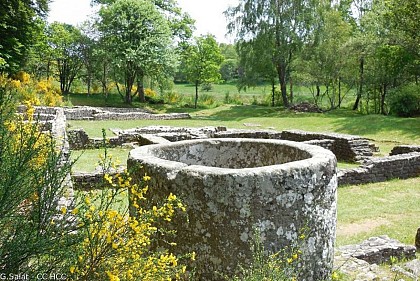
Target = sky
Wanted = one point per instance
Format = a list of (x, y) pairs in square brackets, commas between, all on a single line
[(208, 14)]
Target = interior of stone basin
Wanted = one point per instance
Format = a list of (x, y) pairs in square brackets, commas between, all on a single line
[(232, 154)]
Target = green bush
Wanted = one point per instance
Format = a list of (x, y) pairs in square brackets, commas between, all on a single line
[(405, 101), (206, 87), (206, 99), (235, 99), (171, 97)]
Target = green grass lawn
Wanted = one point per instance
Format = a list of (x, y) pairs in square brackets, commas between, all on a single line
[(88, 160), (391, 208)]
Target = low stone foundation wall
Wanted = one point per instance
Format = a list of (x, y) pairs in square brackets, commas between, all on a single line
[(88, 181), (361, 261), (378, 250), (111, 113), (402, 149), (382, 169), (345, 147), (52, 120)]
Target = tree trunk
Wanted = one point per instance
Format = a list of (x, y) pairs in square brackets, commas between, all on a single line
[(89, 81), (129, 81), (281, 71), (128, 98), (291, 90), (359, 93), (48, 68), (196, 94), (339, 92), (273, 92), (103, 81), (140, 86), (383, 95)]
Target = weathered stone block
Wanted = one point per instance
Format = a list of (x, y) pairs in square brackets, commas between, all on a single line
[(233, 186), (377, 250)]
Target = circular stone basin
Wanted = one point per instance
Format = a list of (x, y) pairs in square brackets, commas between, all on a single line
[(232, 187)]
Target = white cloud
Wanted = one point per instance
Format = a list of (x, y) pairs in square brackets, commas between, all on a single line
[(209, 16), (207, 13), (70, 11)]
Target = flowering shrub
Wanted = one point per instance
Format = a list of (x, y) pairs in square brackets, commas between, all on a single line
[(150, 93), (49, 95), (25, 89), (117, 246), (32, 180), (91, 238)]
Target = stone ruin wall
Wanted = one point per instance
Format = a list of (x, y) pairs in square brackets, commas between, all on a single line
[(345, 147), (348, 148), (402, 149), (381, 169), (53, 121)]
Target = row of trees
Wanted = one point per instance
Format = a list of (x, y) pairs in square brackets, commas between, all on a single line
[(370, 47), (129, 41)]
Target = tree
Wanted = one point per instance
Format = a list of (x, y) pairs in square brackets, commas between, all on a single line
[(229, 67), (256, 64), (404, 18), (18, 25), (286, 21), (181, 24), (138, 39), (66, 42), (324, 60), (40, 58), (203, 59), (360, 7), (385, 62)]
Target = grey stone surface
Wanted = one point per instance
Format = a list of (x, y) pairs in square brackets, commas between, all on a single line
[(377, 250), (413, 267), (402, 149), (382, 168), (92, 180), (345, 147), (231, 186)]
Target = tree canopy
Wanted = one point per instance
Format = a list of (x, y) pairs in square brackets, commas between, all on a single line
[(202, 62), (282, 24), (138, 40), (18, 26)]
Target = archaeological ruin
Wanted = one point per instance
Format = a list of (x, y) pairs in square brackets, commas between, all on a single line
[(234, 181), (233, 186)]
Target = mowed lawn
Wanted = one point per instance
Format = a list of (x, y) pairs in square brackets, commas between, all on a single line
[(390, 208)]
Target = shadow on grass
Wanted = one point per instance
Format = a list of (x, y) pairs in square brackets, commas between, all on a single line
[(241, 112), (379, 124)]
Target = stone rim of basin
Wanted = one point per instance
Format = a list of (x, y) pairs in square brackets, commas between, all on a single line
[(315, 156)]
